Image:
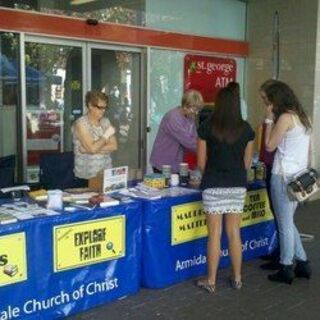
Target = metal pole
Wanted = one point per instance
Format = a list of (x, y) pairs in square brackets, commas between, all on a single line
[(275, 47)]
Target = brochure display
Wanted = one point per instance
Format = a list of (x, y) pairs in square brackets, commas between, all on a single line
[(59, 265), (175, 233), (115, 179)]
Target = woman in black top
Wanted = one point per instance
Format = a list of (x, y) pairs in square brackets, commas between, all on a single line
[(225, 147)]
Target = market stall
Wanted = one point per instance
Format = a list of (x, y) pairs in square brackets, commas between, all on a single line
[(59, 265), (175, 236)]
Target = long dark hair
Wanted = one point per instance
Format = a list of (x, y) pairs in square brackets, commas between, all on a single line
[(284, 100), (226, 121), (234, 86)]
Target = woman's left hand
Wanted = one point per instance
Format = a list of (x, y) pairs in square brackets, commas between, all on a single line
[(269, 112)]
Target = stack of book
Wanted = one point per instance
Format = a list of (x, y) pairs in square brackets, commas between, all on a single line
[(103, 201), (6, 218)]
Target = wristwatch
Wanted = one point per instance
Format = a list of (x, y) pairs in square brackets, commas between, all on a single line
[(268, 121)]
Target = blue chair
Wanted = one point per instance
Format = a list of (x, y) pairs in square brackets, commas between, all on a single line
[(56, 171), (7, 171)]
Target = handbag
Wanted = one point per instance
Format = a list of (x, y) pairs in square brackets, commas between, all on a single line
[(304, 185)]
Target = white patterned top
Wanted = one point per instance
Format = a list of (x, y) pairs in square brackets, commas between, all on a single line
[(88, 165)]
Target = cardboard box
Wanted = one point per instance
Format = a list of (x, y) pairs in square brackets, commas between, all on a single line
[(96, 183)]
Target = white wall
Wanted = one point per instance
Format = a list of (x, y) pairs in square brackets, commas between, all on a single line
[(297, 27)]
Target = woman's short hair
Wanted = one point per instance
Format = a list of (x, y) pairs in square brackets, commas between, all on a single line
[(93, 96), (192, 98)]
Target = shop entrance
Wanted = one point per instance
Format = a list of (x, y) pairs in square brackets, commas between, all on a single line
[(55, 76), (119, 74)]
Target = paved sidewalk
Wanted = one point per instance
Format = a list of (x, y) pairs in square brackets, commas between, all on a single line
[(258, 299)]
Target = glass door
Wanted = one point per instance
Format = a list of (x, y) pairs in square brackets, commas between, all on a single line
[(56, 75), (10, 107), (54, 78), (118, 72)]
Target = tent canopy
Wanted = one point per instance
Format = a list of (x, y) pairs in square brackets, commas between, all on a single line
[(9, 73)]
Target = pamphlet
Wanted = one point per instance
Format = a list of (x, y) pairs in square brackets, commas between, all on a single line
[(115, 179), (24, 210), (7, 218)]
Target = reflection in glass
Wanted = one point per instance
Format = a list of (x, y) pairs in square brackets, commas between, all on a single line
[(9, 93), (117, 73), (213, 18), (166, 88), (124, 12), (53, 99)]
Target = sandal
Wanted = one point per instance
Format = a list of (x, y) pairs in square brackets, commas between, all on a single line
[(236, 284), (204, 284)]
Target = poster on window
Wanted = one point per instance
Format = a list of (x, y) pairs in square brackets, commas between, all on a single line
[(44, 133), (208, 74)]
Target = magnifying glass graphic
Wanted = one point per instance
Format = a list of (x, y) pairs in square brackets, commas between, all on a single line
[(109, 246)]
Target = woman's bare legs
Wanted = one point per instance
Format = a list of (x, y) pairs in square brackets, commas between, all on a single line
[(214, 222), (232, 221)]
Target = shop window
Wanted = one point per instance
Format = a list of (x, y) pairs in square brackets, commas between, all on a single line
[(124, 12), (10, 108)]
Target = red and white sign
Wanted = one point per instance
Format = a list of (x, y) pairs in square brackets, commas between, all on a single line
[(44, 133), (208, 74)]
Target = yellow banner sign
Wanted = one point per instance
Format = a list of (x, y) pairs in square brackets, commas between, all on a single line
[(256, 208), (188, 221), (88, 242), (13, 263)]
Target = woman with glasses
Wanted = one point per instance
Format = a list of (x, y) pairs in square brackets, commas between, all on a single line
[(93, 137), (177, 133), (225, 147)]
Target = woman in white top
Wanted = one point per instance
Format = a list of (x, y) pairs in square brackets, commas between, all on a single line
[(288, 130), (93, 138)]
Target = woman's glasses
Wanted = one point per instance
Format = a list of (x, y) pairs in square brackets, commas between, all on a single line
[(195, 109), (101, 108)]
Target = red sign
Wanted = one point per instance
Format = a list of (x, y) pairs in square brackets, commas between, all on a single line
[(44, 133), (208, 74)]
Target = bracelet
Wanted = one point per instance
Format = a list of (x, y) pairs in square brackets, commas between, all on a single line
[(108, 133), (106, 139), (268, 121)]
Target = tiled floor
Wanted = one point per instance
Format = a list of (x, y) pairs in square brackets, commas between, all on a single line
[(259, 298)]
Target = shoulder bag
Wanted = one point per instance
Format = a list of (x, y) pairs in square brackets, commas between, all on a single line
[(304, 185)]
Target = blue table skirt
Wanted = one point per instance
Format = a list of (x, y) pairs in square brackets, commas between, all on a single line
[(164, 263), (46, 294)]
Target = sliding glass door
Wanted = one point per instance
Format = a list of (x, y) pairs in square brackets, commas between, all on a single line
[(118, 72), (53, 76), (56, 74)]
